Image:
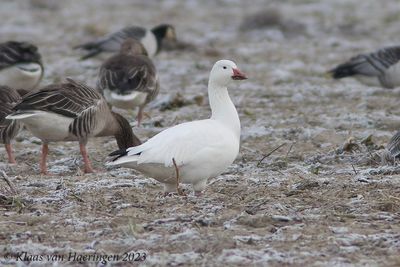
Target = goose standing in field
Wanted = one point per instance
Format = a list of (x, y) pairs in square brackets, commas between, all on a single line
[(9, 129), (71, 111), (128, 79), (193, 151), (20, 65), (380, 68), (151, 39)]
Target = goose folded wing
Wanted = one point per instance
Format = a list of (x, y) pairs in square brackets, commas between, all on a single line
[(183, 143), (68, 99)]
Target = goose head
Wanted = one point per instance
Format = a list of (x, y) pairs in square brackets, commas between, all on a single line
[(224, 71), (165, 31)]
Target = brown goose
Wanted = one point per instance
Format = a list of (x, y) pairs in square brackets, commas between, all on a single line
[(8, 128), (129, 79), (20, 65), (71, 111)]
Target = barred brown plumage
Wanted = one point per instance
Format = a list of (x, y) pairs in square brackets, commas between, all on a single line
[(128, 79), (71, 111)]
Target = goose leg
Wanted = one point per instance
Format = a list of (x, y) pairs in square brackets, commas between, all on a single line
[(88, 164), (11, 158), (43, 164), (139, 117)]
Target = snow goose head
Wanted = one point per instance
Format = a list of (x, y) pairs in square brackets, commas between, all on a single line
[(224, 71)]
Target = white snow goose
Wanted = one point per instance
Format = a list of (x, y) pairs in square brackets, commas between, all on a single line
[(380, 68), (128, 79), (194, 151), (71, 111), (8, 128), (151, 39), (20, 65)]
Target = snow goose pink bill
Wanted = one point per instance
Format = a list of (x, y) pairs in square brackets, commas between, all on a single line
[(194, 151)]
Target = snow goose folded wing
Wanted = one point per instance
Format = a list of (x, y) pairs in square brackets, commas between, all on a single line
[(8, 128), (192, 151), (380, 68), (128, 79), (20, 65), (151, 39), (71, 111)]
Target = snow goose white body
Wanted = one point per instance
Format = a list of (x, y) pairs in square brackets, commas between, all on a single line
[(198, 149)]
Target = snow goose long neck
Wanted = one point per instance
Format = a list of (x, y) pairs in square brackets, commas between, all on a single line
[(221, 104)]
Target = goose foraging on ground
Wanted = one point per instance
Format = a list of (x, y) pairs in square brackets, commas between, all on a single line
[(151, 39), (71, 111), (128, 79), (199, 149), (8, 128), (20, 65), (380, 68)]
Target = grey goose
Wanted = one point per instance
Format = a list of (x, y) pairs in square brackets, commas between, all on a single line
[(20, 65), (379, 68), (71, 111), (129, 79), (151, 39)]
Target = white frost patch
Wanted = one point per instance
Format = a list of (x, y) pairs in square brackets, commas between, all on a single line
[(174, 259), (188, 234), (252, 257)]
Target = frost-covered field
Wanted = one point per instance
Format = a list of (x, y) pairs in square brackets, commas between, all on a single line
[(322, 199)]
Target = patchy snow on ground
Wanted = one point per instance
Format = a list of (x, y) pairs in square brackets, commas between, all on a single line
[(308, 188)]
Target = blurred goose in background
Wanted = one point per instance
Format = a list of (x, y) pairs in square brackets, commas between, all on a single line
[(380, 68), (151, 39), (71, 111), (194, 151), (20, 65), (128, 79), (9, 129), (393, 147)]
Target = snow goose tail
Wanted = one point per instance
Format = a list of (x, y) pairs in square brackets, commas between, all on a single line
[(8, 128), (380, 68), (128, 79), (71, 111), (151, 39), (20, 65), (194, 151)]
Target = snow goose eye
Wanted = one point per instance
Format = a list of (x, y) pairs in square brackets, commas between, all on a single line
[(224, 67)]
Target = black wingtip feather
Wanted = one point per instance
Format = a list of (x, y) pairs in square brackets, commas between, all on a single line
[(118, 154), (342, 71)]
